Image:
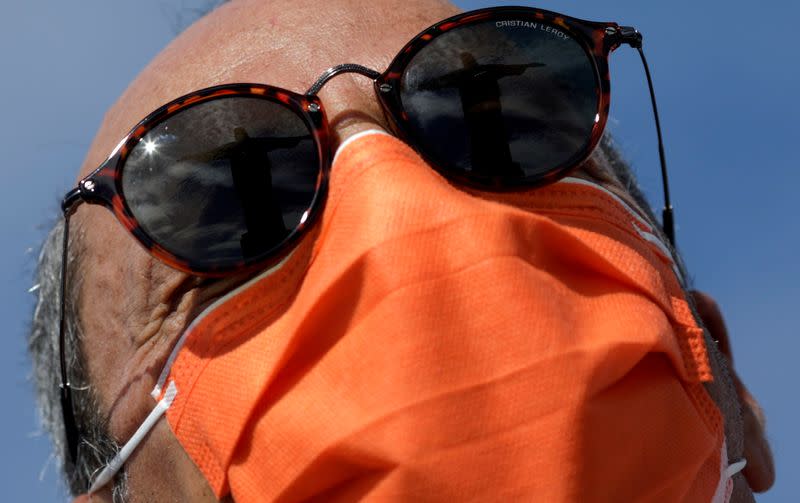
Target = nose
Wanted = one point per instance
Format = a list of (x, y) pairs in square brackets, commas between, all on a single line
[(351, 106)]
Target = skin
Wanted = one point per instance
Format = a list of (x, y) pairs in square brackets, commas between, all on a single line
[(145, 304)]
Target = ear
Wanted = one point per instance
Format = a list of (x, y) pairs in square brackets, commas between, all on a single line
[(760, 469)]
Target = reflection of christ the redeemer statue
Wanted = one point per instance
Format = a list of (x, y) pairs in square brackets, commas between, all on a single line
[(478, 87), (251, 171)]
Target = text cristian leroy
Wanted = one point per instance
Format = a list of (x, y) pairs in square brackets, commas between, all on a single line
[(535, 26)]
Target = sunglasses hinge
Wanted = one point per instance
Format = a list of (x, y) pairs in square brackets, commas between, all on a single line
[(629, 35), (71, 200)]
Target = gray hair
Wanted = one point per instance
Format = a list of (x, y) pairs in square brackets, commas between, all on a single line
[(97, 446)]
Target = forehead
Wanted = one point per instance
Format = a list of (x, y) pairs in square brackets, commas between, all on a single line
[(281, 44)]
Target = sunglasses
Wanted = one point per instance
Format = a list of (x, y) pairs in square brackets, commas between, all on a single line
[(228, 179)]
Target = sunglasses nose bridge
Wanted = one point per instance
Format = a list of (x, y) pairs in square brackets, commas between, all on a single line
[(338, 70)]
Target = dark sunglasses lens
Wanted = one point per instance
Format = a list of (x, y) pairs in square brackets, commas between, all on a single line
[(223, 182), (509, 100)]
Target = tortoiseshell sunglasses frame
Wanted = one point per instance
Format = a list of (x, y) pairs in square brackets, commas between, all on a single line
[(104, 185), (598, 40)]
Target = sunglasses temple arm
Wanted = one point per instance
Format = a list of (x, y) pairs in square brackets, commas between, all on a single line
[(631, 36), (667, 217), (71, 201)]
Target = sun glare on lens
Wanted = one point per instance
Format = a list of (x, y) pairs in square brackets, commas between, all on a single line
[(149, 147)]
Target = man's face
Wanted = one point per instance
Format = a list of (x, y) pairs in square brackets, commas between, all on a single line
[(133, 306)]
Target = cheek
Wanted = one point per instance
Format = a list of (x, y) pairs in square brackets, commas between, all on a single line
[(110, 268), (121, 318)]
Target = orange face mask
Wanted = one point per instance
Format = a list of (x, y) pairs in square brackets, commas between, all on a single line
[(427, 343)]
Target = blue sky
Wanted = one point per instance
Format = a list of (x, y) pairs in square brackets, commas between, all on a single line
[(727, 79)]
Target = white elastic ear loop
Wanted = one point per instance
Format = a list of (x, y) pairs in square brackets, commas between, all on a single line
[(735, 468), (122, 456)]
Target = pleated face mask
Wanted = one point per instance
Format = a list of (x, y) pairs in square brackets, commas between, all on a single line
[(431, 342)]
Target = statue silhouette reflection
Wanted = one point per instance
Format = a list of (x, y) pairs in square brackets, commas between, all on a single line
[(251, 173), (479, 89)]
